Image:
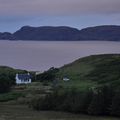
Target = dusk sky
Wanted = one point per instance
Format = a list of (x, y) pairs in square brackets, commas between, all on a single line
[(75, 13)]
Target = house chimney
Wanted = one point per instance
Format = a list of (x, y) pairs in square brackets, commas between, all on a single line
[(16, 75)]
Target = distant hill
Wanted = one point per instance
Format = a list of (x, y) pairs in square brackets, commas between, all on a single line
[(6, 36), (100, 33), (46, 33), (64, 33)]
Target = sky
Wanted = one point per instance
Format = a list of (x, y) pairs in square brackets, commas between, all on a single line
[(74, 13)]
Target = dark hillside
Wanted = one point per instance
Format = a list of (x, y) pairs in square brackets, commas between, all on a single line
[(46, 33), (64, 33), (101, 33)]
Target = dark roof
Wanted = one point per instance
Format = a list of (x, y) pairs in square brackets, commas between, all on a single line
[(24, 76)]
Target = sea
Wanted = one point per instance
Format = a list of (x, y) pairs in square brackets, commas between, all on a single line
[(42, 55)]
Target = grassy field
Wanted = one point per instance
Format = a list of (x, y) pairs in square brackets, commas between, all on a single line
[(17, 110), (20, 112), (92, 71), (84, 73)]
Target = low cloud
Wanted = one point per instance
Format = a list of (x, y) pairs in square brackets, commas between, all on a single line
[(16, 13), (57, 7)]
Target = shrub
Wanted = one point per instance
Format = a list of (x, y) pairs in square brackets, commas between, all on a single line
[(47, 75), (115, 108), (64, 100), (10, 96), (5, 84), (101, 101)]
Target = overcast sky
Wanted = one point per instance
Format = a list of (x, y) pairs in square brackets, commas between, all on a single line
[(75, 13)]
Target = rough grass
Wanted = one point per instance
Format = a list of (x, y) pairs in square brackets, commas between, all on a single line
[(23, 94), (92, 71), (20, 112), (10, 96), (81, 74)]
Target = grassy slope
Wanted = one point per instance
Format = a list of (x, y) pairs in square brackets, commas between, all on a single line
[(9, 69), (83, 73), (92, 71), (86, 72), (9, 72)]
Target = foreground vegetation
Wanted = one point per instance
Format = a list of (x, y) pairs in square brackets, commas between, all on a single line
[(20, 112), (17, 108), (93, 88), (101, 101)]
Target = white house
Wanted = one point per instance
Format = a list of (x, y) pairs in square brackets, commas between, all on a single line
[(23, 78)]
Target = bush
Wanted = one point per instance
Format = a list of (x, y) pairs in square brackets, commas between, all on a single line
[(64, 100), (115, 108), (5, 84), (9, 96), (47, 75), (101, 101)]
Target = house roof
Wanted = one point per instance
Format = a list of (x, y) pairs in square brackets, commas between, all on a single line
[(24, 76)]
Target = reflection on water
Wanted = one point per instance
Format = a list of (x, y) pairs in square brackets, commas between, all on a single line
[(35, 55)]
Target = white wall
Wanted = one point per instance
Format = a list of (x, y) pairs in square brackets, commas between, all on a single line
[(18, 81)]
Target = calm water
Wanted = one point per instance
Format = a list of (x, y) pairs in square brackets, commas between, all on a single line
[(35, 55)]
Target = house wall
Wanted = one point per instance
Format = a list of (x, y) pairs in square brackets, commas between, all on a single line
[(18, 81)]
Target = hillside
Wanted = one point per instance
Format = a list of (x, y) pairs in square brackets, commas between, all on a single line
[(93, 70), (93, 87), (107, 32), (6, 36), (46, 33), (10, 72), (64, 33)]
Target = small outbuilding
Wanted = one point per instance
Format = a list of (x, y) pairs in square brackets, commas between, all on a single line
[(23, 78), (66, 79)]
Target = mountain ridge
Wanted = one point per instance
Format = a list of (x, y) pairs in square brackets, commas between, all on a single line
[(64, 33)]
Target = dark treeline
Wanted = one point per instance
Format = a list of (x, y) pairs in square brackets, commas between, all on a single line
[(47, 76), (104, 100)]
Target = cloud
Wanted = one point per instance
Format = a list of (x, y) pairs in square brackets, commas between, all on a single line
[(76, 13), (57, 7)]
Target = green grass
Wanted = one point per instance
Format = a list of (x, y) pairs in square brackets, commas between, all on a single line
[(84, 73), (10, 96), (20, 112), (80, 85), (92, 71), (23, 94)]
